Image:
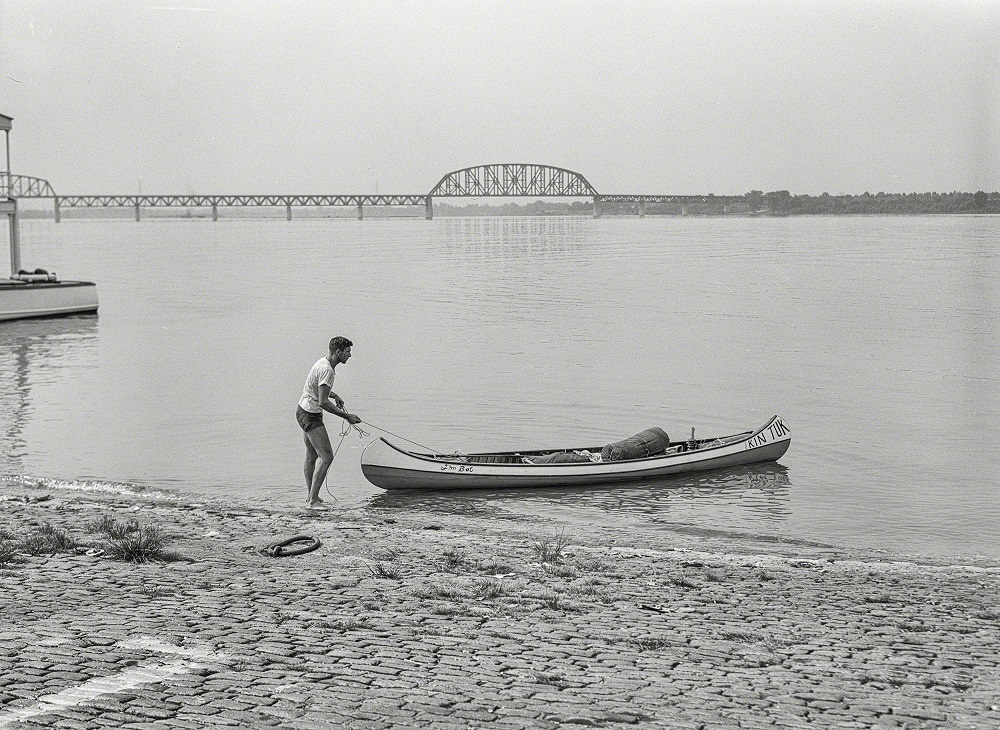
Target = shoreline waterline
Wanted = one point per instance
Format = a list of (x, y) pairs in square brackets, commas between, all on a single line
[(451, 504)]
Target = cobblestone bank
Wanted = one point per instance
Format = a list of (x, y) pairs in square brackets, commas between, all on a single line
[(406, 618)]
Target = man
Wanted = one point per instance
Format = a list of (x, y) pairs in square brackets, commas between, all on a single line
[(318, 396)]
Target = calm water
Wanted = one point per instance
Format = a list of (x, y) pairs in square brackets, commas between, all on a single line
[(876, 339)]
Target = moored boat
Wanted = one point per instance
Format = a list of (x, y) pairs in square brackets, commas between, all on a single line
[(390, 466), (35, 293), (20, 299)]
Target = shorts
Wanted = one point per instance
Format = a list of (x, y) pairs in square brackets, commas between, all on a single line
[(308, 421)]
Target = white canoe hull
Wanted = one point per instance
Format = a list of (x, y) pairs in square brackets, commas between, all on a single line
[(391, 467), (21, 300)]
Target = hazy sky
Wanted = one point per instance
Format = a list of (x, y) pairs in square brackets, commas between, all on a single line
[(318, 96)]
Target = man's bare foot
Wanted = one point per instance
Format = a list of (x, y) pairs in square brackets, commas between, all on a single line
[(317, 504)]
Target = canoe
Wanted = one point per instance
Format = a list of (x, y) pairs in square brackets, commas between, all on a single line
[(390, 466)]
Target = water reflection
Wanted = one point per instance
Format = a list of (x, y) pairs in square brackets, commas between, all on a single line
[(30, 352), (755, 498), (522, 238)]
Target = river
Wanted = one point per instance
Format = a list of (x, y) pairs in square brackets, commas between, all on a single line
[(875, 338)]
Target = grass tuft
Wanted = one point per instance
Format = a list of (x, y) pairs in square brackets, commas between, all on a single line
[(382, 570), (550, 549), (490, 588), (135, 543), (651, 643), (554, 679), (45, 540), (682, 581), (108, 526), (558, 602), (594, 565), (738, 634), (8, 553), (454, 559), (59, 539), (560, 570), (346, 623), (445, 609), (495, 566), (587, 587)]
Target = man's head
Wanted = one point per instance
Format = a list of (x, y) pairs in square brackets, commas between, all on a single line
[(340, 349)]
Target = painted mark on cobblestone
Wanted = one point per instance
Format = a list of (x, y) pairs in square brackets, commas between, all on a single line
[(150, 673)]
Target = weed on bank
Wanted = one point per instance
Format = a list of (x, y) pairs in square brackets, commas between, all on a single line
[(126, 541)]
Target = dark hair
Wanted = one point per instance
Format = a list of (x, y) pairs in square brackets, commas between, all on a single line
[(340, 343)]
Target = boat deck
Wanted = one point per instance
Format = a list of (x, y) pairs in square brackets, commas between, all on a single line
[(28, 299)]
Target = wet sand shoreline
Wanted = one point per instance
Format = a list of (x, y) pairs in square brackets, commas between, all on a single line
[(410, 618)]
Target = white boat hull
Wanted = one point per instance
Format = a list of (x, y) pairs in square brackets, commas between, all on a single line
[(391, 467), (21, 300)]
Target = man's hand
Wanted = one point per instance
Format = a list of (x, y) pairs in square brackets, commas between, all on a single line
[(339, 401), (352, 419)]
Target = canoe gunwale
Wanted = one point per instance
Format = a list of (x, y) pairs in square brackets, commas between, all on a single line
[(736, 438)]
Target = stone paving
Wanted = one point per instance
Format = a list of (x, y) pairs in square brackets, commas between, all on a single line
[(409, 618)]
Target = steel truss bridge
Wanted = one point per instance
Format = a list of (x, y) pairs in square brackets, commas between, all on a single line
[(507, 180)]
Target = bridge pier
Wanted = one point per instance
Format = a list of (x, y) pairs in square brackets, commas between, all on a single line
[(642, 209), (597, 206), (56, 209), (361, 212), (137, 211), (9, 206), (288, 212), (215, 211), (429, 208)]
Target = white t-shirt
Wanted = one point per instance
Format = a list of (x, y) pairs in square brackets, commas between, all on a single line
[(319, 374)]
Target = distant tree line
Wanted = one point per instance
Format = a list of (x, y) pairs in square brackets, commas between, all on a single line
[(780, 202), (783, 202)]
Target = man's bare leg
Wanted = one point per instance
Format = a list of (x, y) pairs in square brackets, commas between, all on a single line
[(318, 446), (310, 466)]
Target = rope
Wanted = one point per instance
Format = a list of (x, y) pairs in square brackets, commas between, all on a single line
[(284, 548), (402, 438), (346, 429)]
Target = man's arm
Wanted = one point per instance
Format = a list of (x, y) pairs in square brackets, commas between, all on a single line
[(336, 406)]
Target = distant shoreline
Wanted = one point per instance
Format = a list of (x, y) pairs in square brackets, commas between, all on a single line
[(755, 203), (389, 213)]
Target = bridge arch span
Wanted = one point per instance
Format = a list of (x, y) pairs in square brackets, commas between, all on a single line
[(24, 186), (515, 179)]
